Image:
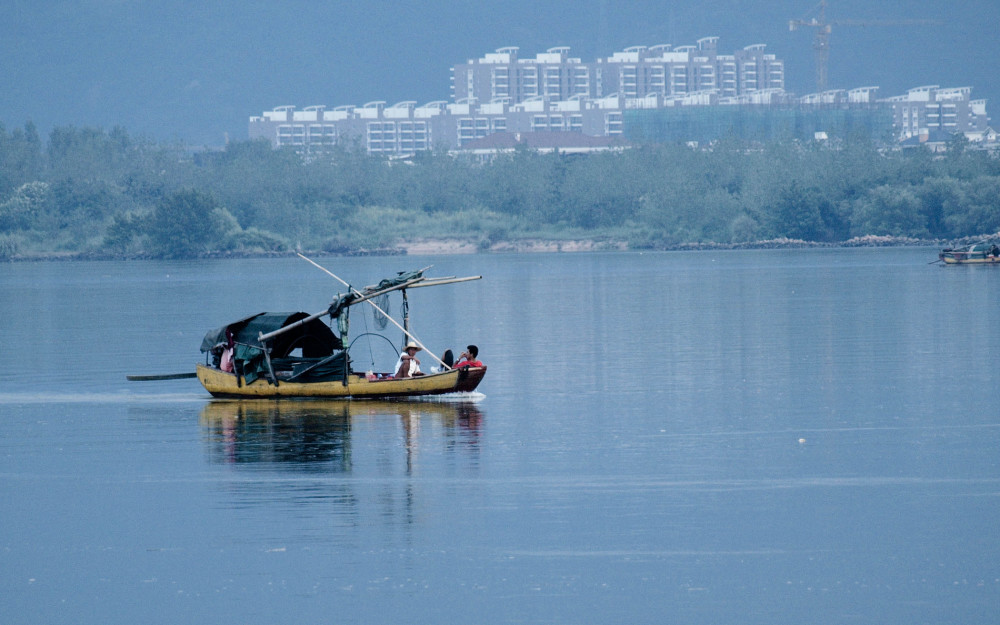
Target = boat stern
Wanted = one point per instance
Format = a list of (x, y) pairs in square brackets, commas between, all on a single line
[(469, 378)]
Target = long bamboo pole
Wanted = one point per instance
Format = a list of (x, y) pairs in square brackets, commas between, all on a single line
[(166, 376), (440, 281), (387, 316), (270, 335)]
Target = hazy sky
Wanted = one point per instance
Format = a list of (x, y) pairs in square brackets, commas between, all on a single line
[(197, 70)]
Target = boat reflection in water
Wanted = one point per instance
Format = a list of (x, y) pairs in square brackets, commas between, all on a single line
[(322, 435)]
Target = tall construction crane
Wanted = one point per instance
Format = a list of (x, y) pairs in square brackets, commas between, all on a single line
[(821, 43)]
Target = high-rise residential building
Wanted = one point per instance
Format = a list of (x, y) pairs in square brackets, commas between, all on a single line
[(666, 71), (635, 72), (502, 76)]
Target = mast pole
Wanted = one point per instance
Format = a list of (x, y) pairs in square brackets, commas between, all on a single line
[(406, 315)]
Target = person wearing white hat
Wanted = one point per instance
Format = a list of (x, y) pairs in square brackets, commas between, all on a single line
[(408, 366)]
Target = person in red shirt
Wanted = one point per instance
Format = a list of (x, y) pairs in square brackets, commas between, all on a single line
[(469, 358)]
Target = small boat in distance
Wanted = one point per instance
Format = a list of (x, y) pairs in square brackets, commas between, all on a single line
[(976, 254), (295, 354)]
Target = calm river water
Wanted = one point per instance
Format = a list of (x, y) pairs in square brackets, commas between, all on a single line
[(773, 437)]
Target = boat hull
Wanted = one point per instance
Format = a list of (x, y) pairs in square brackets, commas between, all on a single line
[(960, 258), (228, 385)]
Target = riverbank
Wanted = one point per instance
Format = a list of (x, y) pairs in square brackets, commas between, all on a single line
[(457, 246), (461, 246)]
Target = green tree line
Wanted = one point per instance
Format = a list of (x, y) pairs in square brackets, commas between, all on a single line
[(97, 193)]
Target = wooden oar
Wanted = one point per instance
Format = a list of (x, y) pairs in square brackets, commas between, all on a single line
[(167, 376)]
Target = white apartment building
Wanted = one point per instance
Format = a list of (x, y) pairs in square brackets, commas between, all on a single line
[(928, 108)]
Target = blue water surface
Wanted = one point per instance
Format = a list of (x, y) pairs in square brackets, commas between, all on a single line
[(773, 437)]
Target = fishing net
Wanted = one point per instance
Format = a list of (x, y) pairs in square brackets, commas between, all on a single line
[(382, 301)]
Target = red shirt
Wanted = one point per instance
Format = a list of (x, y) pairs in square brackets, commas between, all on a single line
[(468, 363)]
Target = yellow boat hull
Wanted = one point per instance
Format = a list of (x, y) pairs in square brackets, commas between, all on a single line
[(960, 259), (228, 385)]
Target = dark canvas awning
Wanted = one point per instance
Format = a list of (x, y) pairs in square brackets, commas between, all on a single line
[(315, 337)]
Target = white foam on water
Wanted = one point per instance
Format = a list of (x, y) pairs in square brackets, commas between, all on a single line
[(460, 397), (100, 398)]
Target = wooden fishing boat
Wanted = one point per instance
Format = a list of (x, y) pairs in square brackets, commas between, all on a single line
[(977, 254), (296, 354)]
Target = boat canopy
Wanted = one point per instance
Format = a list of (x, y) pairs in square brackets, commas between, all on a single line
[(314, 337), (252, 359)]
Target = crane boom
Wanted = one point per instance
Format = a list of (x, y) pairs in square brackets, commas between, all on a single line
[(821, 41)]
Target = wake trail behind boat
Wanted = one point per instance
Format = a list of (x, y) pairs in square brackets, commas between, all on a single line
[(99, 398)]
